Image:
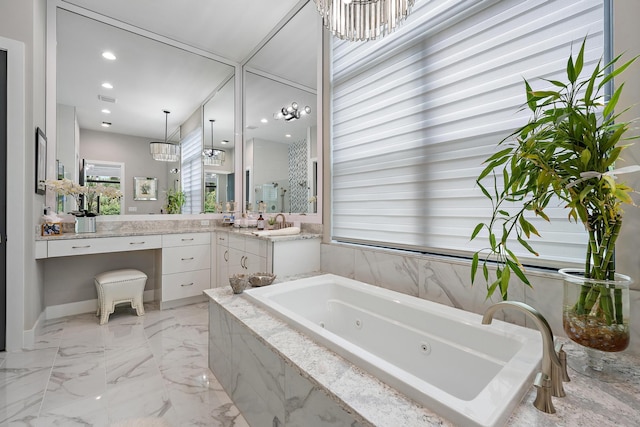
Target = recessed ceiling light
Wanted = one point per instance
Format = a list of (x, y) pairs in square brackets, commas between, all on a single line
[(104, 110), (108, 55), (264, 121), (106, 124), (224, 142), (288, 135), (107, 85)]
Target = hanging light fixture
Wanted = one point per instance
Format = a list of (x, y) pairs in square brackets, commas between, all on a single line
[(165, 151), (292, 112), (213, 156), (361, 20)]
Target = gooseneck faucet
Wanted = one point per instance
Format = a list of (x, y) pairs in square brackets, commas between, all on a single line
[(549, 381), (283, 222)]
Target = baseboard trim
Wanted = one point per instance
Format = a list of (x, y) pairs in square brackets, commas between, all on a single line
[(80, 307), (29, 335)]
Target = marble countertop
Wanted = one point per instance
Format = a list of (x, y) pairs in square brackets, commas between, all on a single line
[(140, 230), (589, 402)]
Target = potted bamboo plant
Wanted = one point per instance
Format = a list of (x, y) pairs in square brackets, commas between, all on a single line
[(565, 152)]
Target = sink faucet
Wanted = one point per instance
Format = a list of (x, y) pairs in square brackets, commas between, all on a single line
[(283, 222), (549, 381)]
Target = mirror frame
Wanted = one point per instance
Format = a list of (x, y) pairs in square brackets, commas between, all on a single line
[(239, 116)]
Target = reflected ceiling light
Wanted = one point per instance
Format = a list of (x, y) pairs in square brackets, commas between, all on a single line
[(213, 156), (361, 20), (288, 135), (108, 55), (224, 142), (107, 85), (292, 112), (264, 121), (165, 151), (106, 111), (106, 124)]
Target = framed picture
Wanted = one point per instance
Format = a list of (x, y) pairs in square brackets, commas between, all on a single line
[(41, 161), (145, 188)]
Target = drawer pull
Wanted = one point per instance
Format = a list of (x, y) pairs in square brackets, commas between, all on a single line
[(226, 256), (187, 240), (80, 247), (186, 259), (187, 284), (137, 243)]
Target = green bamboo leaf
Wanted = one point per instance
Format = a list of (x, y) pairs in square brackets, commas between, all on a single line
[(499, 154), (474, 267), (524, 225), (571, 71), (504, 282), (491, 289), (615, 72), (531, 100), (585, 156), (485, 271), (516, 269), (484, 190), (611, 105), (592, 81), (612, 157), (492, 241), (545, 94), (580, 59), (543, 215), (504, 213), (585, 191), (527, 246), (476, 230), (623, 196)]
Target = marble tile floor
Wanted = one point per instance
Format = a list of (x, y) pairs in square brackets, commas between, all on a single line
[(79, 373)]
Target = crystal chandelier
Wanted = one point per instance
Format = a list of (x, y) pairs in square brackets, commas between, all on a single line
[(361, 20), (165, 151), (213, 156)]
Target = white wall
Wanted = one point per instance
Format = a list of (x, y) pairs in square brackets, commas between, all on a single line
[(23, 21), (134, 153)]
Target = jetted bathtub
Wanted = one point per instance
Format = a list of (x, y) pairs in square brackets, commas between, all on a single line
[(439, 356)]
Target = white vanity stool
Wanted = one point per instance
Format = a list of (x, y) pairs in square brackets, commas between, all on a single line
[(119, 286)]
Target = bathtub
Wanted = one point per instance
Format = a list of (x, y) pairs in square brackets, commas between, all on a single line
[(439, 356)]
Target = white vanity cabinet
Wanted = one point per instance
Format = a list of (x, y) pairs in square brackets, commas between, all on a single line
[(238, 253), (242, 253), (185, 266)]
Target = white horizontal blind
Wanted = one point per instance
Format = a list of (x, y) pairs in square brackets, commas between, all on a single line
[(191, 171), (415, 114)]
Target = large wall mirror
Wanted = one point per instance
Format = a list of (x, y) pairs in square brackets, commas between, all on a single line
[(148, 76), (281, 119)]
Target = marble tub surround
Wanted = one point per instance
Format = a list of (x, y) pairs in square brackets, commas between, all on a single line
[(271, 370), (447, 280), (80, 373)]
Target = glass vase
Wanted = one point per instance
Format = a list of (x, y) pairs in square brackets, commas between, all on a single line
[(595, 315)]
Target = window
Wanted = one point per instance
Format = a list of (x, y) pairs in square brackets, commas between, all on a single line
[(191, 171), (416, 113), (106, 174)]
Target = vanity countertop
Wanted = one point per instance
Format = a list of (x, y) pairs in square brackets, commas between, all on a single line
[(141, 230), (589, 402)]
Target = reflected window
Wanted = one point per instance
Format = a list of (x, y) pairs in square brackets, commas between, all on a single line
[(191, 171), (105, 174)]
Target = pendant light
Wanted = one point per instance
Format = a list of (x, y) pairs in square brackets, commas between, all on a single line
[(361, 20), (213, 156), (165, 151)]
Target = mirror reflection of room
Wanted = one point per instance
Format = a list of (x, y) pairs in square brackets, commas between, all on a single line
[(107, 113), (280, 130)]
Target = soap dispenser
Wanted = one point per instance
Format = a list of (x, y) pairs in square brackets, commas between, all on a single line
[(260, 222)]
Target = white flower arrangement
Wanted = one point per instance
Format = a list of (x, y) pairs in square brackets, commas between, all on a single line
[(67, 187)]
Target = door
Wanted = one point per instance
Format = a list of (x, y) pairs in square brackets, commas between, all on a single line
[(3, 199)]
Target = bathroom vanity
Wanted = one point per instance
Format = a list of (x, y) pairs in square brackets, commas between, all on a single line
[(180, 258)]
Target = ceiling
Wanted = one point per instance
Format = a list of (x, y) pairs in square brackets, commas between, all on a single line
[(149, 76)]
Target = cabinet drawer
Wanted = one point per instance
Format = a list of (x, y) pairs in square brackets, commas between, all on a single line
[(236, 241), (222, 238), (186, 239), (187, 258), (102, 245), (183, 285), (256, 246)]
